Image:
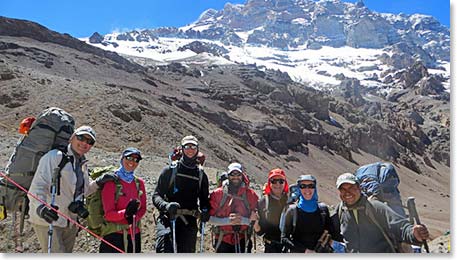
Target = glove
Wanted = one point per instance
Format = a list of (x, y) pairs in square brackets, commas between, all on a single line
[(101, 180), (131, 209), (172, 209), (47, 214), (204, 215)]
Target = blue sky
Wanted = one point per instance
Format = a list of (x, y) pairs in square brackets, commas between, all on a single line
[(83, 17)]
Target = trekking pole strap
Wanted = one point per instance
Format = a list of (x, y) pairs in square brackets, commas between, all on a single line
[(60, 213)]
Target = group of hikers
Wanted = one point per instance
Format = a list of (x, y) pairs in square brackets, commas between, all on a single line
[(289, 218)]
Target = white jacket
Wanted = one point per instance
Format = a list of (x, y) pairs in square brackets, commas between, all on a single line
[(41, 187)]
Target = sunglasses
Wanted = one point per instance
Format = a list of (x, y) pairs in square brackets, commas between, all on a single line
[(235, 173), (132, 158), (187, 146), (280, 181), (307, 186), (88, 141)]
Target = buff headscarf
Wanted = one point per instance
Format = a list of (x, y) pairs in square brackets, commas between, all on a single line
[(275, 173)]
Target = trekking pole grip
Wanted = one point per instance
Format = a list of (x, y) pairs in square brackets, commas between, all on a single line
[(413, 212)]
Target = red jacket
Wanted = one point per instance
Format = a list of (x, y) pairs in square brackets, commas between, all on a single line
[(114, 211), (232, 205)]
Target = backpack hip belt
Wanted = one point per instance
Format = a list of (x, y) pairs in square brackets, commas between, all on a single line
[(222, 233), (187, 212)]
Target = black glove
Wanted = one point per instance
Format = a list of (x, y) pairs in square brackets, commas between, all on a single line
[(101, 180), (172, 209), (131, 209), (47, 214), (204, 215)]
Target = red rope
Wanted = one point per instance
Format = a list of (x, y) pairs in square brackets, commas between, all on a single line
[(58, 212)]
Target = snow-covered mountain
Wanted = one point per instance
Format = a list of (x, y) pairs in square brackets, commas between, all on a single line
[(316, 43)]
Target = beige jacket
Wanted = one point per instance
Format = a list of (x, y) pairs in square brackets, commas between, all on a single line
[(41, 187)]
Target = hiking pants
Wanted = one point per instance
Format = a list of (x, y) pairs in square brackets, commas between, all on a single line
[(117, 239), (63, 239), (273, 247), (228, 248), (186, 235)]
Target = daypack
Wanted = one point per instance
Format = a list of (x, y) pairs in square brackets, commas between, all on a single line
[(380, 180), (51, 129), (96, 221)]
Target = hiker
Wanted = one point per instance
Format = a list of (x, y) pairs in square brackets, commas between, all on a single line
[(128, 208), (221, 179), (232, 210), (271, 205), (181, 190), (73, 185), (372, 226), (307, 221)]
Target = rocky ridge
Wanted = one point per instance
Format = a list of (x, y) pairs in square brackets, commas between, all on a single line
[(239, 112)]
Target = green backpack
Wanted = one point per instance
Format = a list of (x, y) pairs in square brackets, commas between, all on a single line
[(96, 221)]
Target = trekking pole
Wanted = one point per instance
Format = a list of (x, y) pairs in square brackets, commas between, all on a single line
[(236, 229), (173, 226), (54, 190), (202, 235), (133, 236), (413, 212), (251, 233)]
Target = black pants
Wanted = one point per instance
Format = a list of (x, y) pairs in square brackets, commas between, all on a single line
[(273, 247), (228, 248), (186, 235), (117, 239)]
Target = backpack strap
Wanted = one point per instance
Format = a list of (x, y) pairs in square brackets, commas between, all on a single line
[(323, 209), (65, 159), (369, 211), (174, 173), (267, 205), (294, 217), (226, 195)]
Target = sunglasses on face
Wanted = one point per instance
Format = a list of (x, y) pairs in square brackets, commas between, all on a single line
[(235, 173), (307, 186), (280, 181), (131, 158), (88, 141), (189, 146)]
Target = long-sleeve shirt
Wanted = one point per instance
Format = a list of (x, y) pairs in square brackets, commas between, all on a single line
[(308, 228), (185, 190), (42, 181), (115, 210), (269, 218), (363, 236)]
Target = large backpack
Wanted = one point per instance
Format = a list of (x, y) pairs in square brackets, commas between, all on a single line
[(380, 180), (52, 129), (96, 221)]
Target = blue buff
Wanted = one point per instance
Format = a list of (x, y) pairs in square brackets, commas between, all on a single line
[(308, 205), (124, 175)]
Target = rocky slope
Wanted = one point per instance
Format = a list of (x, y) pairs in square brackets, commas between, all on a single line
[(257, 116)]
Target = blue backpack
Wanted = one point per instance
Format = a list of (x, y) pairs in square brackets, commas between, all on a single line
[(380, 180)]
